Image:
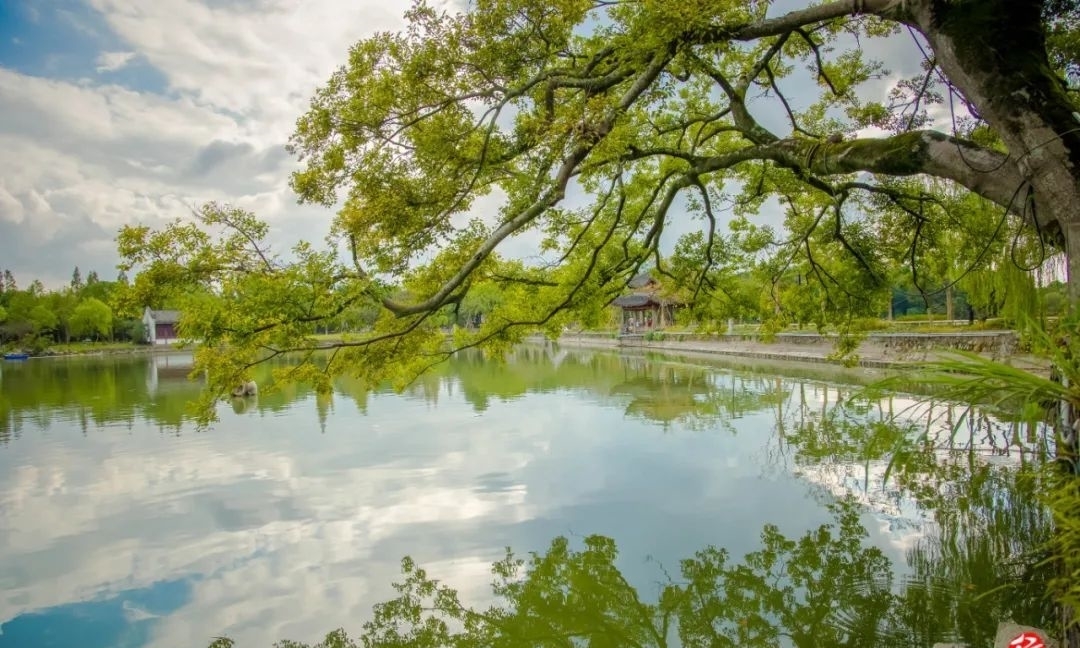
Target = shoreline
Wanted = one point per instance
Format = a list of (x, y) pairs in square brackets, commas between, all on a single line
[(875, 352), (134, 349), (878, 352)]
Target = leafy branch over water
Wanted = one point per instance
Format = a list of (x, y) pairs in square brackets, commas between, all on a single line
[(1033, 401)]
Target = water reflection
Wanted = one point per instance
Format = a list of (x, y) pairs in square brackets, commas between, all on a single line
[(123, 620), (290, 516), (829, 587), (119, 389)]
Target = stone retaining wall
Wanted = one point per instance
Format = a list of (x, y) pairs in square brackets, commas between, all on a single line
[(998, 343), (877, 350)]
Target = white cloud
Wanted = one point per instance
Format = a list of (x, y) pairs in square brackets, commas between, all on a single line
[(259, 60), (82, 158), (112, 61), (11, 208)]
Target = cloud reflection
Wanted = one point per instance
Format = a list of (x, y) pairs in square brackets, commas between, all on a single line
[(284, 526)]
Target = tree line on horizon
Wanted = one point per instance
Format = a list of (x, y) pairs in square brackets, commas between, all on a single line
[(85, 309), (93, 309)]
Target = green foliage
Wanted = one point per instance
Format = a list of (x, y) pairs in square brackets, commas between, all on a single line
[(1030, 400), (642, 108), (44, 317), (1063, 38), (136, 331), (92, 317), (335, 639)]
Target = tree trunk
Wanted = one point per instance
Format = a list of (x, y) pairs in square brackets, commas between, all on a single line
[(1072, 269), (949, 303), (994, 51)]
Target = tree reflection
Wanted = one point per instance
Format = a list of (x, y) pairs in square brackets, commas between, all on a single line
[(693, 397), (96, 392), (158, 388), (973, 559), (976, 481), (972, 554), (829, 587)]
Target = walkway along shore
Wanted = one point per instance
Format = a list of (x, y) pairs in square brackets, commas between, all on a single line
[(876, 351)]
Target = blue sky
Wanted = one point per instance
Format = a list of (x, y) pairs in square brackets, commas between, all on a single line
[(66, 40)]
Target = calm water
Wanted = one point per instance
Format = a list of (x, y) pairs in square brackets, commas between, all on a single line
[(123, 526)]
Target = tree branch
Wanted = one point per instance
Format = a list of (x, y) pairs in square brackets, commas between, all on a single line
[(547, 199), (893, 9), (988, 173)]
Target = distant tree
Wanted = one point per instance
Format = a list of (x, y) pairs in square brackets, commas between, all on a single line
[(9, 282), (122, 278), (63, 303), (43, 319), (19, 304), (92, 317), (37, 288), (76, 280), (3, 315), (479, 301), (98, 289), (92, 278), (132, 330)]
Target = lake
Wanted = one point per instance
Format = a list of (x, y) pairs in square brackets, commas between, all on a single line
[(124, 526)]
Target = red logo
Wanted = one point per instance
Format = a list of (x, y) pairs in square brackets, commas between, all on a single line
[(1027, 640)]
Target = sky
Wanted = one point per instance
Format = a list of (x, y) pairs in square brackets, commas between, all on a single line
[(130, 111)]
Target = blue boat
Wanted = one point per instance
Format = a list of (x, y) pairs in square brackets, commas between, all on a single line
[(16, 356)]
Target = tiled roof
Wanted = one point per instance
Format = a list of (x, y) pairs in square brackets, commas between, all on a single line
[(632, 301), (165, 316)]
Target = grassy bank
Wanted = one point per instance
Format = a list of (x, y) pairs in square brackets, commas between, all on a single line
[(84, 348)]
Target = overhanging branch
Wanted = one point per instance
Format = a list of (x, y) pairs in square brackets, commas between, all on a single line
[(893, 9), (987, 173)]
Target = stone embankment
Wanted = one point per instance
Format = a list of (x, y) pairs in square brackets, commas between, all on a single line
[(876, 350)]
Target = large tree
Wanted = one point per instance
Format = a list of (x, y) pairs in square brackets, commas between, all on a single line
[(593, 123)]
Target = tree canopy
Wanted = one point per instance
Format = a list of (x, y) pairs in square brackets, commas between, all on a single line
[(593, 124), (35, 318), (92, 317)]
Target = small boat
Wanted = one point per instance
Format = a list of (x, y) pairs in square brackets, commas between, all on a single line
[(16, 356)]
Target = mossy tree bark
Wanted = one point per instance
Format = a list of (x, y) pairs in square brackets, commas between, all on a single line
[(995, 52)]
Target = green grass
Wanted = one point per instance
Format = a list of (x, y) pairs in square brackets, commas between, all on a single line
[(869, 326), (76, 348)]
